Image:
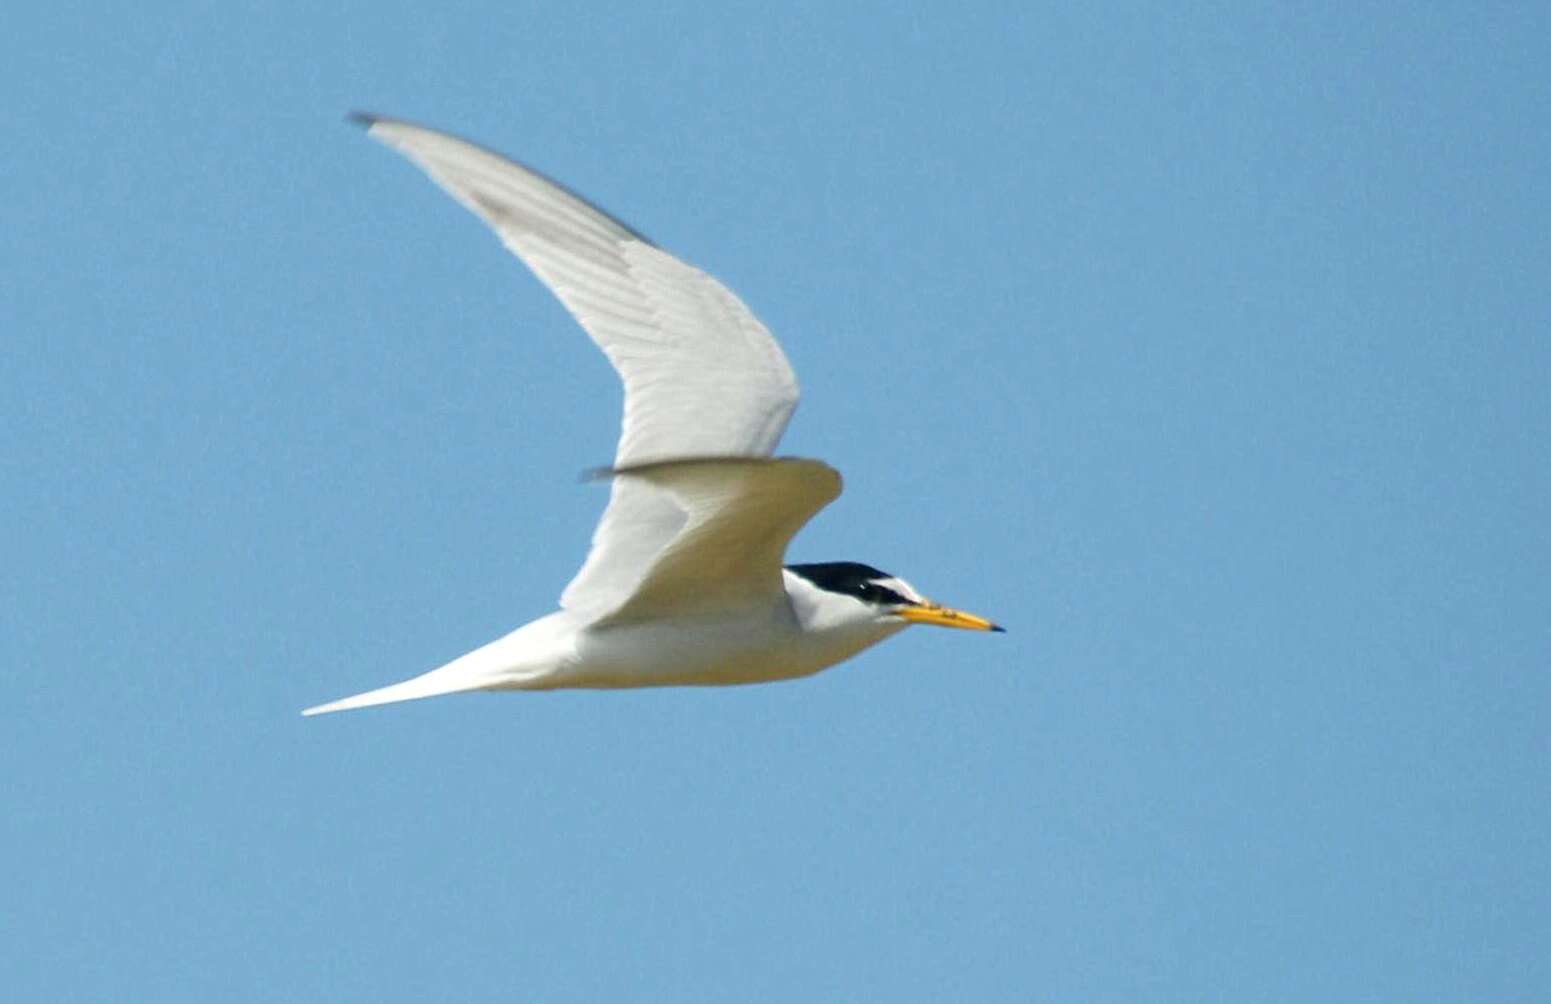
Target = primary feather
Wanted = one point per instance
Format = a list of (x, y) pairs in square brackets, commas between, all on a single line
[(702, 376)]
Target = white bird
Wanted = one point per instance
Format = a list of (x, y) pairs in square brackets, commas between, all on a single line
[(684, 584)]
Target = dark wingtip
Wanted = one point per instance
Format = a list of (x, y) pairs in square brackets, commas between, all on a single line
[(363, 119), (998, 629)]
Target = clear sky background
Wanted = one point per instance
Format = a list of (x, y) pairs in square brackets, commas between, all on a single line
[(1205, 349)]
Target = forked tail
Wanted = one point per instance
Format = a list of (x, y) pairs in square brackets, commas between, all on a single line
[(525, 657), (432, 684)]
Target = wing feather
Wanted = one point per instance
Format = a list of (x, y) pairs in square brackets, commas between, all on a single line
[(740, 514), (702, 376)]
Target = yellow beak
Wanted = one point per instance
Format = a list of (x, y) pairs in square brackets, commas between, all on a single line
[(931, 613)]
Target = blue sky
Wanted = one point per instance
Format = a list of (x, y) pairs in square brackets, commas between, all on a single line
[(1205, 349)]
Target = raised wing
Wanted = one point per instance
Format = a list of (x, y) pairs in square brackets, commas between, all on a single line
[(702, 376), (739, 517)]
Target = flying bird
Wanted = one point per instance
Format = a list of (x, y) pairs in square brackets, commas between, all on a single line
[(684, 583)]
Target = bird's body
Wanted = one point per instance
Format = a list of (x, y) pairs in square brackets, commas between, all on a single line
[(684, 584), (782, 641)]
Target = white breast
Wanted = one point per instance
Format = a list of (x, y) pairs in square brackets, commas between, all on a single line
[(796, 638)]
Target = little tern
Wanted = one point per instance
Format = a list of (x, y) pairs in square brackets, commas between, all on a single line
[(684, 583)]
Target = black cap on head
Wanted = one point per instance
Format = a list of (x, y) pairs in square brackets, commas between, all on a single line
[(851, 578)]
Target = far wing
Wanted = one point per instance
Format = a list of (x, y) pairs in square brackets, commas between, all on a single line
[(702, 375), (739, 516)]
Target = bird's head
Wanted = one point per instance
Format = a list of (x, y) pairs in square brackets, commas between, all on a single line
[(884, 598)]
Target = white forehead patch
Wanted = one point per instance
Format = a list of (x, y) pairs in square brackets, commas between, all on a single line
[(900, 586)]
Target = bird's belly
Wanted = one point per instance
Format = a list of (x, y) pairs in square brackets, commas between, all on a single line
[(700, 653)]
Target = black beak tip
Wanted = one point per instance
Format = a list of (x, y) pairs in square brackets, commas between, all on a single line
[(998, 629)]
